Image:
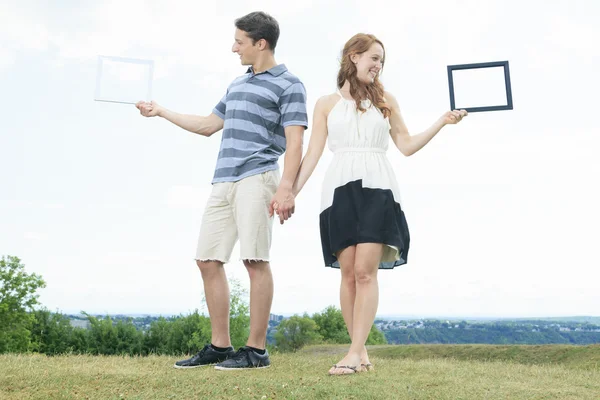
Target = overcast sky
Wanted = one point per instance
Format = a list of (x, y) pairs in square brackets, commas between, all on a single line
[(106, 205)]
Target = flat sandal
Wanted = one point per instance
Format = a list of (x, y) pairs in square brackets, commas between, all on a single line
[(353, 369)]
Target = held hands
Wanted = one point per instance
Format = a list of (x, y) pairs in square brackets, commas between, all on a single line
[(283, 204), (453, 117), (150, 109)]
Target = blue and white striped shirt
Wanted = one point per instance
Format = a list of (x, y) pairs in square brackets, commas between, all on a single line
[(256, 109)]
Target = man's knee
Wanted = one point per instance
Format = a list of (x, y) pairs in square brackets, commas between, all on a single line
[(256, 267), (209, 266)]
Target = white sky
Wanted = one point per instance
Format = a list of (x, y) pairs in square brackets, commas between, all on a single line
[(106, 205)]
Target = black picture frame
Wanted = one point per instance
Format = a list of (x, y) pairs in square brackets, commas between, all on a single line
[(493, 64)]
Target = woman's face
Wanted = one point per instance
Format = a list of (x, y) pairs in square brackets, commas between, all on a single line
[(369, 63)]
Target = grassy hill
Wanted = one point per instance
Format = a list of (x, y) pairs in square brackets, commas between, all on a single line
[(402, 372)]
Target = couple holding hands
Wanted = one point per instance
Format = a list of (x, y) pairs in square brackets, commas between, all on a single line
[(362, 225)]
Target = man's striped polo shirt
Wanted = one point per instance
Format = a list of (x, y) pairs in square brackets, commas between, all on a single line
[(255, 110)]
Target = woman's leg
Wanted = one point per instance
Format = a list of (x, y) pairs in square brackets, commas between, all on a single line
[(366, 265), (348, 285), (348, 292), (367, 257)]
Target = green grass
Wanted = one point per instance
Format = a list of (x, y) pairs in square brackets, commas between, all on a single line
[(402, 372), (585, 357)]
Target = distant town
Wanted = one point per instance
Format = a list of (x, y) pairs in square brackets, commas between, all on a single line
[(571, 330)]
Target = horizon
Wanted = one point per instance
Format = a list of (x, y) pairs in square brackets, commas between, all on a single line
[(377, 317)]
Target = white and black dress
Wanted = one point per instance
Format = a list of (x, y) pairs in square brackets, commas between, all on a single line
[(360, 201)]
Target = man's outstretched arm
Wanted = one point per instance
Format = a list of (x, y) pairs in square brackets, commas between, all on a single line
[(200, 125)]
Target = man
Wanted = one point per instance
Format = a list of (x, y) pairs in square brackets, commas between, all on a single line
[(263, 114)]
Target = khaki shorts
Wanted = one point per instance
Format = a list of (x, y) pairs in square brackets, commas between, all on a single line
[(238, 210)]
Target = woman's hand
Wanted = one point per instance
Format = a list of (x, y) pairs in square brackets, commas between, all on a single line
[(453, 117)]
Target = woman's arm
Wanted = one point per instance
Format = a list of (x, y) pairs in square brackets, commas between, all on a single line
[(318, 138), (407, 144)]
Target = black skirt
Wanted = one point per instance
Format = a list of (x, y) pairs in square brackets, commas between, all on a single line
[(364, 215)]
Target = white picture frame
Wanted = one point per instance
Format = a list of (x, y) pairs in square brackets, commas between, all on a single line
[(123, 80)]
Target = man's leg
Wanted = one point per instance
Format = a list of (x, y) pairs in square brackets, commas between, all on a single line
[(251, 198), (255, 226), (261, 298), (218, 234), (216, 292)]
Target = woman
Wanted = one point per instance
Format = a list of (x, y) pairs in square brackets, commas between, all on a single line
[(363, 228)]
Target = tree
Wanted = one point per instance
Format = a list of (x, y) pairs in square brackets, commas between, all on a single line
[(80, 341), (129, 339), (17, 300), (332, 328), (376, 336), (51, 333), (296, 332), (156, 340), (331, 325), (189, 333), (102, 336)]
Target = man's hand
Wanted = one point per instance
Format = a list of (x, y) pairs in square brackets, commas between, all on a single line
[(283, 204), (150, 109)]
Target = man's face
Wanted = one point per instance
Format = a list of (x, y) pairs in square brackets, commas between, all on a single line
[(243, 47)]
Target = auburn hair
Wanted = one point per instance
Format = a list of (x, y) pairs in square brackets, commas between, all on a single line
[(358, 44)]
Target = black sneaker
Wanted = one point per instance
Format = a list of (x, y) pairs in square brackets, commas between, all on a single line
[(245, 358), (207, 356)]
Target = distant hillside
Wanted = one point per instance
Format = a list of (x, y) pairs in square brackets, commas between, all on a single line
[(527, 332), (580, 320)]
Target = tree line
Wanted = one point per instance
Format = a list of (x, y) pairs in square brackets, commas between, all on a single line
[(26, 328)]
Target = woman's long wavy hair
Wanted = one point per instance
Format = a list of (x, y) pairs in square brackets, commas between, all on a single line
[(358, 44)]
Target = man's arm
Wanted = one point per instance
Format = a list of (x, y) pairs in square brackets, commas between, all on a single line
[(294, 119), (283, 201), (200, 125)]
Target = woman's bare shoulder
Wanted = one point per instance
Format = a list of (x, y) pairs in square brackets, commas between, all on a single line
[(326, 102), (389, 97)]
